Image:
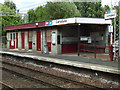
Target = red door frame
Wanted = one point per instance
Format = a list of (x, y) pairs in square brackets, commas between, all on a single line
[(16, 40), (38, 41), (23, 40), (12, 47), (30, 42)]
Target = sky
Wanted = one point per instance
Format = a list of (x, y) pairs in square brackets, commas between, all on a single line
[(25, 5)]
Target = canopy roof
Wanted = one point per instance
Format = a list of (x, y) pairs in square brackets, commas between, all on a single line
[(73, 20)]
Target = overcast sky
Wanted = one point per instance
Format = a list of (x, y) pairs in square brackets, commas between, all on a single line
[(25, 5)]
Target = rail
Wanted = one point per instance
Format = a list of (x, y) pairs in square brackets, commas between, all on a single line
[(48, 75)]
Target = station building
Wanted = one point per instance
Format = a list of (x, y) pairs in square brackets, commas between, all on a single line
[(58, 36)]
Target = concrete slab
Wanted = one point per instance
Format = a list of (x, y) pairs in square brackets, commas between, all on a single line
[(81, 62)]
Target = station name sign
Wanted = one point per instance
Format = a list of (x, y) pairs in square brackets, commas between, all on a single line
[(110, 14), (60, 21)]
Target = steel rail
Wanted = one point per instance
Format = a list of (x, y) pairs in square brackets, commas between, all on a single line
[(53, 76), (7, 86), (30, 78)]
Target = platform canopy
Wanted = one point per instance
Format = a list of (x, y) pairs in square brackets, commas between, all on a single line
[(73, 20)]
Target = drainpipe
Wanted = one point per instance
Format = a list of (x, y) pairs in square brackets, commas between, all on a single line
[(78, 39), (42, 41)]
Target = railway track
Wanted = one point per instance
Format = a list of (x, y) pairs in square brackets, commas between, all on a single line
[(43, 74), (6, 87), (31, 78)]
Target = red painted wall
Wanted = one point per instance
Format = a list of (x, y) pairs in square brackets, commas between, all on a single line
[(38, 41), (12, 47), (16, 40), (69, 48), (30, 44), (49, 46), (23, 41)]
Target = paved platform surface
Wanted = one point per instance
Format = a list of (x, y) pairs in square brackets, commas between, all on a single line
[(77, 61)]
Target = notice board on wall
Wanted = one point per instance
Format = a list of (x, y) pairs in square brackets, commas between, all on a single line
[(53, 37)]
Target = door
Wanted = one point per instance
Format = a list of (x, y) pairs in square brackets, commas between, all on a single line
[(48, 39), (38, 41), (16, 40), (30, 35), (23, 40)]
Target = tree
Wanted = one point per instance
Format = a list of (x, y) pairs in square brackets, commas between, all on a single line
[(90, 9), (59, 10), (40, 14), (52, 10), (31, 15), (10, 4), (106, 8), (9, 20)]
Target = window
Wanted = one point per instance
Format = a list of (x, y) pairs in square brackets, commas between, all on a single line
[(11, 36), (30, 35), (48, 35)]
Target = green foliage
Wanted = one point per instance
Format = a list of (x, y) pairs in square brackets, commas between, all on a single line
[(59, 10), (10, 4), (106, 8), (8, 8), (31, 15), (52, 10), (40, 14), (90, 9), (10, 20)]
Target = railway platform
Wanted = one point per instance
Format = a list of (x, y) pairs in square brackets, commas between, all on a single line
[(76, 61)]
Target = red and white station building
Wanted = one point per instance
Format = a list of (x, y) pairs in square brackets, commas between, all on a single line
[(60, 35)]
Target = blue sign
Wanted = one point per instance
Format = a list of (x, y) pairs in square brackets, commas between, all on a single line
[(50, 23), (108, 12)]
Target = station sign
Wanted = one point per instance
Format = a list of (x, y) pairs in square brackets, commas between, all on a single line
[(60, 21), (110, 14), (110, 29)]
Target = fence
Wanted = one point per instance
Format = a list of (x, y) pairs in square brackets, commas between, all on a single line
[(101, 49)]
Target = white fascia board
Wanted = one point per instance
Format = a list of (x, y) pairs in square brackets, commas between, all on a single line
[(62, 21), (92, 21)]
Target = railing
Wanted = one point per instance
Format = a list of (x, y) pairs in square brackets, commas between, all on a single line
[(92, 48), (101, 49)]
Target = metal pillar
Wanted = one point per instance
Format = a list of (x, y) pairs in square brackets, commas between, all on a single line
[(114, 36), (78, 39), (119, 31)]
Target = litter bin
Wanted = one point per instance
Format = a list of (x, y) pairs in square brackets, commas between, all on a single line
[(46, 48)]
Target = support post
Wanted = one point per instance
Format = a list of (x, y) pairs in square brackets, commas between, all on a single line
[(95, 47), (78, 39), (114, 36), (119, 31)]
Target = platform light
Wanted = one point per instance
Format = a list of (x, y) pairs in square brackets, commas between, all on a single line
[(36, 24)]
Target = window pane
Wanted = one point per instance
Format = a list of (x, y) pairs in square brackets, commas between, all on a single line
[(11, 36)]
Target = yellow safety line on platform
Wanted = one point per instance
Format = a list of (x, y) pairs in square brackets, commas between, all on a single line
[(23, 49), (39, 51)]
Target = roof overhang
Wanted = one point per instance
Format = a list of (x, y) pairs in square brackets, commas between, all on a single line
[(74, 20), (92, 21)]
